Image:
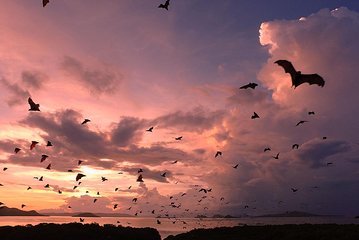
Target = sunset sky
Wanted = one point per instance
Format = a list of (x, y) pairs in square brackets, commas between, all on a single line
[(127, 66)]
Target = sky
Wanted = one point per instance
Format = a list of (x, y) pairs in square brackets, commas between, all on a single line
[(128, 65)]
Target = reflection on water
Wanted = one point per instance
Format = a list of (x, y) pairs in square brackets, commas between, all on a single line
[(175, 226)]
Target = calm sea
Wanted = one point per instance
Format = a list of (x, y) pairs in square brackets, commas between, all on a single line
[(173, 227)]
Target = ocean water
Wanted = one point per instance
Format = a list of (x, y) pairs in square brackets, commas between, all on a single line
[(172, 226)]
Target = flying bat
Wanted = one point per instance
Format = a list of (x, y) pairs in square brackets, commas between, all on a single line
[(85, 121), (150, 129), (79, 176), (276, 156), (295, 146), (48, 167), (16, 150), (33, 144), (297, 77), (49, 144), (218, 153), (139, 179), (165, 6), (33, 106), (311, 113), (45, 2), (294, 189), (79, 162), (178, 138), (235, 167), (249, 85), (301, 122), (267, 149), (104, 179), (5, 168), (255, 115), (43, 157), (163, 174)]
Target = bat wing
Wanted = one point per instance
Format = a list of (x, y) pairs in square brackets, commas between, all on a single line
[(310, 79), (32, 104), (288, 67), (167, 3), (245, 86)]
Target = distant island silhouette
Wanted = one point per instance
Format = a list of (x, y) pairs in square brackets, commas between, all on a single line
[(292, 214), (86, 214), (5, 211)]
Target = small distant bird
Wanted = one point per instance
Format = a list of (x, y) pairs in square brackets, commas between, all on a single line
[(153, 211), (140, 170), (59, 191), (41, 178), (311, 113), (116, 189), (329, 163), (295, 146), (165, 5), (79, 176), (74, 187), (85, 121), (69, 207), (218, 153), (235, 167), (254, 116), (163, 174), (79, 162), (249, 85), (49, 144), (47, 186), (104, 179), (44, 2), (95, 200), (98, 193), (178, 138), (294, 189), (324, 138), (139, 179), (134, 200), (115, 206), (33, 106), (33, 144), (267, 149), (150, 129), (82, 219), (48, 167), (16, 150), (158, 221), (183, 194), (5, 168), (276, 156), (28, 188), (174, 162), (43, 157), (297, 77), (301, 122), (23, 205)]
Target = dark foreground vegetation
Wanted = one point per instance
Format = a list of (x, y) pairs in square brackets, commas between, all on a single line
[(76, 231), (274, 232)]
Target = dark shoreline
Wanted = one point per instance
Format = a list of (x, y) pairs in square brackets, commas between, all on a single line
[(94, 231)]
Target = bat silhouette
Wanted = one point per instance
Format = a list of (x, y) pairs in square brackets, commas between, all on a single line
[(48, 167), (163, 174), (23, 205), (85, 121), (43, 157), (276, 156), (82, 219), (79, 162), (158, 221), (29, 188), (79, 176), (218, 153), (47, 186), (165, 6), (140, 170), (16, 150), (178, 138), (297, 77), (267, 149), (301, 122), (45, 2), (249, 85), (5, 168), (150, 129), (235, 167), (139, 179), (174, 162), (311, 113), (295, 146), (33, 144), (255, 115), (49, 144), (33, 106), (104, 179), (294, 189), (115, 206)]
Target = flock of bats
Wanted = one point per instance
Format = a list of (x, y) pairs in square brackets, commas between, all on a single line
[(297, 78)]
